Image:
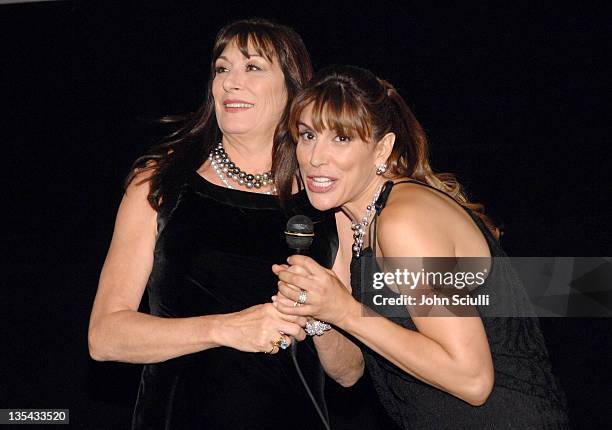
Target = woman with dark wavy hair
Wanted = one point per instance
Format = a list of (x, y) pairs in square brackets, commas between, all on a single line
[(199, 227), (361, 150)]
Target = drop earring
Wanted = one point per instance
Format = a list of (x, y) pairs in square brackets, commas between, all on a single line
[(382, 168)]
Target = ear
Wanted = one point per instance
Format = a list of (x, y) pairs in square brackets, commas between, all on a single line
[(384, 147)]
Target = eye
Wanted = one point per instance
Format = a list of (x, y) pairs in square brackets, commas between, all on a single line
[(342, 138), (307, 135), (220, 69), (252, 67)]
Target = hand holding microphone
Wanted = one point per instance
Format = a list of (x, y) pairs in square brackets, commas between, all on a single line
[(299, 236), (327, 298), (304, 287)]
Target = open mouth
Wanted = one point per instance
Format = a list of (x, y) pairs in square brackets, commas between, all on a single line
[(237, 106), (320, 184)]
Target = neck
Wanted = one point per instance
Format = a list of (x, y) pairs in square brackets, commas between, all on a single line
[(356, 208), (250, 154)]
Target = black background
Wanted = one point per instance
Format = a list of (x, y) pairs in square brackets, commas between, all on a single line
[(512, 98)]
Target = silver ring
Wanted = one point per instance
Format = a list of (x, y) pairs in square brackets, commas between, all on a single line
[(316, 327), (302, 298), (281, 343)]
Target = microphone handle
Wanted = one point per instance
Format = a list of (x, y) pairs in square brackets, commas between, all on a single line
[(294, 343), (293, 350)]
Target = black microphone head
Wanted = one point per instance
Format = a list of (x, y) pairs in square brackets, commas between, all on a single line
[(299, 233)]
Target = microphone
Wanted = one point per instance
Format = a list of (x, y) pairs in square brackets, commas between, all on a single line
[(299, 235)]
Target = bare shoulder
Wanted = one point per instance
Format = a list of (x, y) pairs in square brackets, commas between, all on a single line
[(136, 221), (421, 202), (135, 203), (419, 221), (409, 225), (140, 183)]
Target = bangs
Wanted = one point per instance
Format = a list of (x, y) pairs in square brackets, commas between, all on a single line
[(243, 35), (333, 108)]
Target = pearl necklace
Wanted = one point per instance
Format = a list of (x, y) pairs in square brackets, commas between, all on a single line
[(360, 228), (221, 163)]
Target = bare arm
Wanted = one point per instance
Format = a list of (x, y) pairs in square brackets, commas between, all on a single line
[(118, 332), (450, 353), (458, 366), (341, 359)]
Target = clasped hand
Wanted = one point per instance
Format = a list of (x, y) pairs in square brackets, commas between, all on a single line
[(327, 298), (255, 329)]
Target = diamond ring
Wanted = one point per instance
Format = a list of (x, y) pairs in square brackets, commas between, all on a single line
[(316, 327), (281, 343), (302, 298)]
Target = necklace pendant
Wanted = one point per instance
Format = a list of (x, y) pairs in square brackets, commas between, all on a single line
[(360, 229)]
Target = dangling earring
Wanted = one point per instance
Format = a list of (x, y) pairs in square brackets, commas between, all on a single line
[(382, 168)]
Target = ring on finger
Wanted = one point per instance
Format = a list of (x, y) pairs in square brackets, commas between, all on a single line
[(302, 298), (281, 342), (316, 327), (284, 341)]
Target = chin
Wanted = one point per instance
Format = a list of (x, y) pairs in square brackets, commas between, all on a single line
[(236, 124), (321, 202), (236, 128)]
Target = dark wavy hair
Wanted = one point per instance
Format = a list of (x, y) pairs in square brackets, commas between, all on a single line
[(351, 100), (184, 151)]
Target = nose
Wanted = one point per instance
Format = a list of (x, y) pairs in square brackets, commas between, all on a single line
[(232, 81), (318, 154)]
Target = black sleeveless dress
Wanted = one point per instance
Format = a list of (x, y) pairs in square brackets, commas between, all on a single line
[(213, 255), (526, 395)]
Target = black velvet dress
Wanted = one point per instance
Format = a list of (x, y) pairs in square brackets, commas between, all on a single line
[(526, 395), (214, 252)]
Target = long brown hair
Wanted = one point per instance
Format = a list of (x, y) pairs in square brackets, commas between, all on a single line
[(350, 100), (183, 151)]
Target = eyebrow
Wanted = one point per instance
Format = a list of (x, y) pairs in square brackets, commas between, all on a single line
[(223, 57), (305, 125)]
